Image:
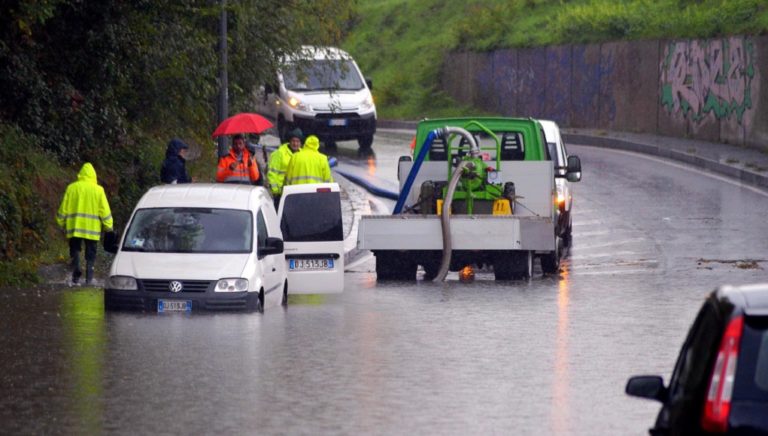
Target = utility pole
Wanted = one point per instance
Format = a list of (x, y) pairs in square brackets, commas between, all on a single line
[(223, 81)]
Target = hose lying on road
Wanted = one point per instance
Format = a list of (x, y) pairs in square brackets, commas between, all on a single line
[(368, 186)]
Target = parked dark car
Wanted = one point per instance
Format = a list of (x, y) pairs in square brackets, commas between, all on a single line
[(720, 381)]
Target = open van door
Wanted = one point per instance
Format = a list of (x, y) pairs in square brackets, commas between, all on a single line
[(313, 235)]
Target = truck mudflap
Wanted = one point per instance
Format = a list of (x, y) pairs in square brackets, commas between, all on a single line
[(468, 232)]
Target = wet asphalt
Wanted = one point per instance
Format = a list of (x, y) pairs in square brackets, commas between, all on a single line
[(545, 355)]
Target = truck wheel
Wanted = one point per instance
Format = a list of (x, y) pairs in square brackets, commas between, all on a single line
[(431, 264), (510, 265), (568, 232), (365, 142), (550, 262), (394, 266)]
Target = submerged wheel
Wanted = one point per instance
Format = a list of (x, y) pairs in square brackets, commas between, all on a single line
[(365, 142), (550, 262), (510, 265), (285, 295), (255, 301), (431, 264), (567, 236), (394, 266)]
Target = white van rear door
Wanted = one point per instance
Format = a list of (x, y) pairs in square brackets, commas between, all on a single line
[(313, 236)]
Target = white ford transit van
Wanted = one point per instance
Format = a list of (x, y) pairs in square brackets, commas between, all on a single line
[(312, 228), (199, 246), (322, 92)]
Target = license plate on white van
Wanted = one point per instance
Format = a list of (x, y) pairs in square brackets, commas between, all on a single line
[(337, 122), (310, 264), (174, 305)]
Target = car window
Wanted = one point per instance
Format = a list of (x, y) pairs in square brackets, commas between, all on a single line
[(751, 382), (261, 230), (190, 230), (312, 217)]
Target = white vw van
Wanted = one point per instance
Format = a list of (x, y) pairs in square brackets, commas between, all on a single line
[(200, 246), (322, 92), (312, 228)]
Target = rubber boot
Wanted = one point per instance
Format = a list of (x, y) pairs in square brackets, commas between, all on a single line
[(89, 275), (76, 272)]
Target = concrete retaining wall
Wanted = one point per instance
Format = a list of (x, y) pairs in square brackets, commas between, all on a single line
[(710, 89)]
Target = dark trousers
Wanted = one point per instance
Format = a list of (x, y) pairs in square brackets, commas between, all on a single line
[(75, 244)]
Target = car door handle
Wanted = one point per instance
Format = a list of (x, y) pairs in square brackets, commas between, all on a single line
[(274, 269)]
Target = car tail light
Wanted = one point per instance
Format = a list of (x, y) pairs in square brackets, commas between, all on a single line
[(718, 401)]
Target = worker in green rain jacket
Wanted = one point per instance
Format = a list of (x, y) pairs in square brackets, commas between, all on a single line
[(278, 163), (83, 212), (309, 165)]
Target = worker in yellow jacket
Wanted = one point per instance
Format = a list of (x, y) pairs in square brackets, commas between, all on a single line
[(278, 163), (309, 165), (83, 212)]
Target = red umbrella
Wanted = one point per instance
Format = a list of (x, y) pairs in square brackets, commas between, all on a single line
[(242, 123)]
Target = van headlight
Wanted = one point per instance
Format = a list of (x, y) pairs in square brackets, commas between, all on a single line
[(298, 104), (232, 285), (367, 102), (123, 283)]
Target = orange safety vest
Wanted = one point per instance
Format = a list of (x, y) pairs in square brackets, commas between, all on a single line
[(245, 171)]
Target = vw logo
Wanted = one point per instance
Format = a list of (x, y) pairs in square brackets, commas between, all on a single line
[(175, 286)]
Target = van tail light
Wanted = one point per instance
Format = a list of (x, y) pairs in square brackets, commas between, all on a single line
[(323, 190), (718, 401)]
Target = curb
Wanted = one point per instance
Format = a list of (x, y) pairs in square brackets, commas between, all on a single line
[(740, 174)]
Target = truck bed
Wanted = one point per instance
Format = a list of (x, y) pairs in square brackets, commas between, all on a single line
[(468, 232)]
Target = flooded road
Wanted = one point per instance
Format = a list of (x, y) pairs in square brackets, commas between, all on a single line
[(547, 355)]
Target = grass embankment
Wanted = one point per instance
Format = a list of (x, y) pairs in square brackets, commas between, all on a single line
[(400, 44), (32, 184)]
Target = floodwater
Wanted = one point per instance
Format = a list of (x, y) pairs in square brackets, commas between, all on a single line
[(549, 355)]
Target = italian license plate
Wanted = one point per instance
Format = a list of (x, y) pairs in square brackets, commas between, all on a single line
[(174, 305), (305, 264), (337, 122)]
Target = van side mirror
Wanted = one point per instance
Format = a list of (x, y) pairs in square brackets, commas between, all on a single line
[(369, 82), (573, 173), (402, 159), (268, 89), (111, 241), (271, 246), (647, 386)]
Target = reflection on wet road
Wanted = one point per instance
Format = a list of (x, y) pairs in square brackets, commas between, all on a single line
[(548, 355)]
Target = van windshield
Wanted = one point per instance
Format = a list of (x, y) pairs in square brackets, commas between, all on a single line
[(322, 75), (312, 217), (190, 230)]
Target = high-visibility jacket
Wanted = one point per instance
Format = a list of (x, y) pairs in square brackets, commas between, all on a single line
[(245, 170), (84, 208), (278, 163), (308, 165)]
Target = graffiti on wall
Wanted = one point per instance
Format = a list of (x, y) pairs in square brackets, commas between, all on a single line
[(713, 78)]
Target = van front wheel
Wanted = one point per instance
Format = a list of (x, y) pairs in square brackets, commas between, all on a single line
[(365, 142), (284, 129)]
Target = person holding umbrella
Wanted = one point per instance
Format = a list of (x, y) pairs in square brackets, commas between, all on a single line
[(237, 166)]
